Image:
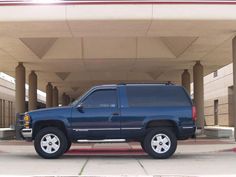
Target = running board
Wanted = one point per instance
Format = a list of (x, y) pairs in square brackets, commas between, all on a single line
[(102, 141)]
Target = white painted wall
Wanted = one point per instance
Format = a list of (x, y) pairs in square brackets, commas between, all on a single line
[(218, 86), (7, 92)]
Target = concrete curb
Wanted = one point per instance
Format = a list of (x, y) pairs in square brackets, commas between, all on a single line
[(119, 176)]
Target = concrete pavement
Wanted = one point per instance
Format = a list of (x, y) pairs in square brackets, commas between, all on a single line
[(203, 157)]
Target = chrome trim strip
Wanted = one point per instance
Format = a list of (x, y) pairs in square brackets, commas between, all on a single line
[(27, 132), (102, 141), (131, 128), (94, 129), (187, 127), (102, 129), (81, 130)]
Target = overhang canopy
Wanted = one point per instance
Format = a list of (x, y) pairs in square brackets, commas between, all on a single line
[(77, 46)]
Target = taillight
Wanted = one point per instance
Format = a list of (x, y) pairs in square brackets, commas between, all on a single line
[(194, 113)]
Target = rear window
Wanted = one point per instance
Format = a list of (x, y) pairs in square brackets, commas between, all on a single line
[(153, 96)]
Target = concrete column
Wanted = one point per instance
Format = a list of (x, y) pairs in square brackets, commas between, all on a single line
[(63, 99), (32, 91), (20, 88), (67, 99), (234, 90), (199, 93), (186, 80), (49, 95), (1, 118), (4, 112), (55, 97)]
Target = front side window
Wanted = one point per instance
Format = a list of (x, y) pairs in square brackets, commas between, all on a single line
[(101, 99)]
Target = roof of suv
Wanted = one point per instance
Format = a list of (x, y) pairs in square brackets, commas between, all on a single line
[(132, 84), (161, 83)]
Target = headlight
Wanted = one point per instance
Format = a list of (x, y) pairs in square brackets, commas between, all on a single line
[(26, 120)]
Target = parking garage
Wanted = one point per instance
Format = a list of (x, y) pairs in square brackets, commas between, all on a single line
[(65, 47)]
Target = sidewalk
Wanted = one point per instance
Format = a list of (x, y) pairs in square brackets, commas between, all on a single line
[(192, 158), (197, 141)]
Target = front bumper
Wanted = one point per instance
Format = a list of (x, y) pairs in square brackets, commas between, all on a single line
[(27, 133)]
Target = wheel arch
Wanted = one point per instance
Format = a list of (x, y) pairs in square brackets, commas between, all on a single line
[(163, 123), (49, 123)]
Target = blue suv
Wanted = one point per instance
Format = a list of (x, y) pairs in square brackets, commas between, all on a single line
[(156, 115)]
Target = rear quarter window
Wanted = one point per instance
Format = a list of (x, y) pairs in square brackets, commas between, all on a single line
[(156, 96)]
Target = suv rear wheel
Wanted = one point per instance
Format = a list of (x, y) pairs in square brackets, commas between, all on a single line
[(142, 145), (160, 143), (50, 143)]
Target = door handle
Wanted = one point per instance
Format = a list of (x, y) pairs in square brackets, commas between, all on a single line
[(115, 114)]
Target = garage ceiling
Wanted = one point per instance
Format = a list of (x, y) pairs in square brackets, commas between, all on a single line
[(76, 47)]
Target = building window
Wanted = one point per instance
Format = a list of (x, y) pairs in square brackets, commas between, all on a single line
[(216, 105), (215, 74)]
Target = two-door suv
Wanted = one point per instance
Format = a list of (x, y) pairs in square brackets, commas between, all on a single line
[(156, 115)]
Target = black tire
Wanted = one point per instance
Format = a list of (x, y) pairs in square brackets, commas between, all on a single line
[(68, 146), (166, 135), (142, 145), (51, 132)]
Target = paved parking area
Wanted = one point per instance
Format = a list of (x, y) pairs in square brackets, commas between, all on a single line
[(211, 157)]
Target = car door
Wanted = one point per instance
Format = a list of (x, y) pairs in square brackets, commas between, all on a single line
[(97, 116), (132, 117)]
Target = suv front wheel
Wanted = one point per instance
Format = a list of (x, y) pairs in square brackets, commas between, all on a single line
[(160, 143), (69, 143), (50, 143)]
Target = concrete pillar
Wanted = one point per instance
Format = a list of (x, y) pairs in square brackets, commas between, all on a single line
[(55, 97), (49, 95), (1, 118), (20, 88), (234, 76), (186, 80), (32, 91), (63, 99), (199, 93), (67, 99)]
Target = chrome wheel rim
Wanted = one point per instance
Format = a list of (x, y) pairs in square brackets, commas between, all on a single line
[(160, 143), (50, 143)]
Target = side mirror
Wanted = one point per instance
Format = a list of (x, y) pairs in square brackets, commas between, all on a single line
[(80, 107)]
